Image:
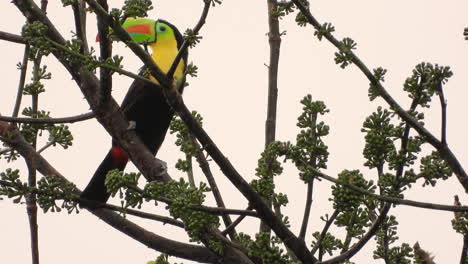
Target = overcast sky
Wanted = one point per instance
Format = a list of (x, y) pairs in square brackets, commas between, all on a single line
[(230, 93)]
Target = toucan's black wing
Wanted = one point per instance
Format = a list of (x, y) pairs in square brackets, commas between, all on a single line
[(145, 105)]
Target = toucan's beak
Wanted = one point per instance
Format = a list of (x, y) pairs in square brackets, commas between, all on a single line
[(142, 30)]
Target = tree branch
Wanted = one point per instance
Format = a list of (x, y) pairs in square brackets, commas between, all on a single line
[(324, 231), (310, 184), (145, 215), (443, 149), (236, 222), (205, 167), (358, 245), (274, 39), (60, 120), (105, 46), (12, 37), (394, 200), (79, 12), (443, 106), (19, 93)]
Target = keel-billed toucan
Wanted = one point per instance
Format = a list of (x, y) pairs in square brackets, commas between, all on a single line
[(144, 105)]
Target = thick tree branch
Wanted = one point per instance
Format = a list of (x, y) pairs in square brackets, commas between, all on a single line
[(105, 46), (443, 149), (12, 37), (274, 39)]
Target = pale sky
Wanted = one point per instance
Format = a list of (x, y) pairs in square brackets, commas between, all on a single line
[(230, 93)]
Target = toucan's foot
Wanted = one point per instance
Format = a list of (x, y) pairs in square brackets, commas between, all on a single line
[(131, 125), (163, 167)]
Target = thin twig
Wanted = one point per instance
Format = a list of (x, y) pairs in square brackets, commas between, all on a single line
[(46, 146), (394, 200), (185, 44), (79, 12), (191, 179), (59, 120), (443, 106), (205, 167), (19, 94), (123, 35), (310, 184), (102, 65), (358, 245), (233, 225), (324, 231), (202, 208), (130, 211), (443, 149)]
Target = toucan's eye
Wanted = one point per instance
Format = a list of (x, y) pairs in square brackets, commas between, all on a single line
[(162, 28)]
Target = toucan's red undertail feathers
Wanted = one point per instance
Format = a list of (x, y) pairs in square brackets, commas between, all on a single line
[(119, 155)]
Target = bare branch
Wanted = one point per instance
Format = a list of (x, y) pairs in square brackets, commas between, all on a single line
[(46, 146), (324, 231), (60, 120), (443, 106), (12, 37), (19, 94), (145, 215), (232, 226), (79, 12), (274, 39), (205, 167)]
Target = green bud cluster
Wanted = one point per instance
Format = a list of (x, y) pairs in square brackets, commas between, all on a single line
[(386, 237), (264, 248)]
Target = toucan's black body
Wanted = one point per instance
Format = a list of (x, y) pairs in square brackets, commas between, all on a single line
[(145, 105)]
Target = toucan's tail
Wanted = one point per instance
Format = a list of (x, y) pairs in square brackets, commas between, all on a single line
[(96, 190)]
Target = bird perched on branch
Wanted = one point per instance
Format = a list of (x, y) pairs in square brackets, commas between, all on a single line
[(144, 106)]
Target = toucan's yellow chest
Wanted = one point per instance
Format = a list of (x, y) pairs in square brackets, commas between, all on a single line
[(163, 54)]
